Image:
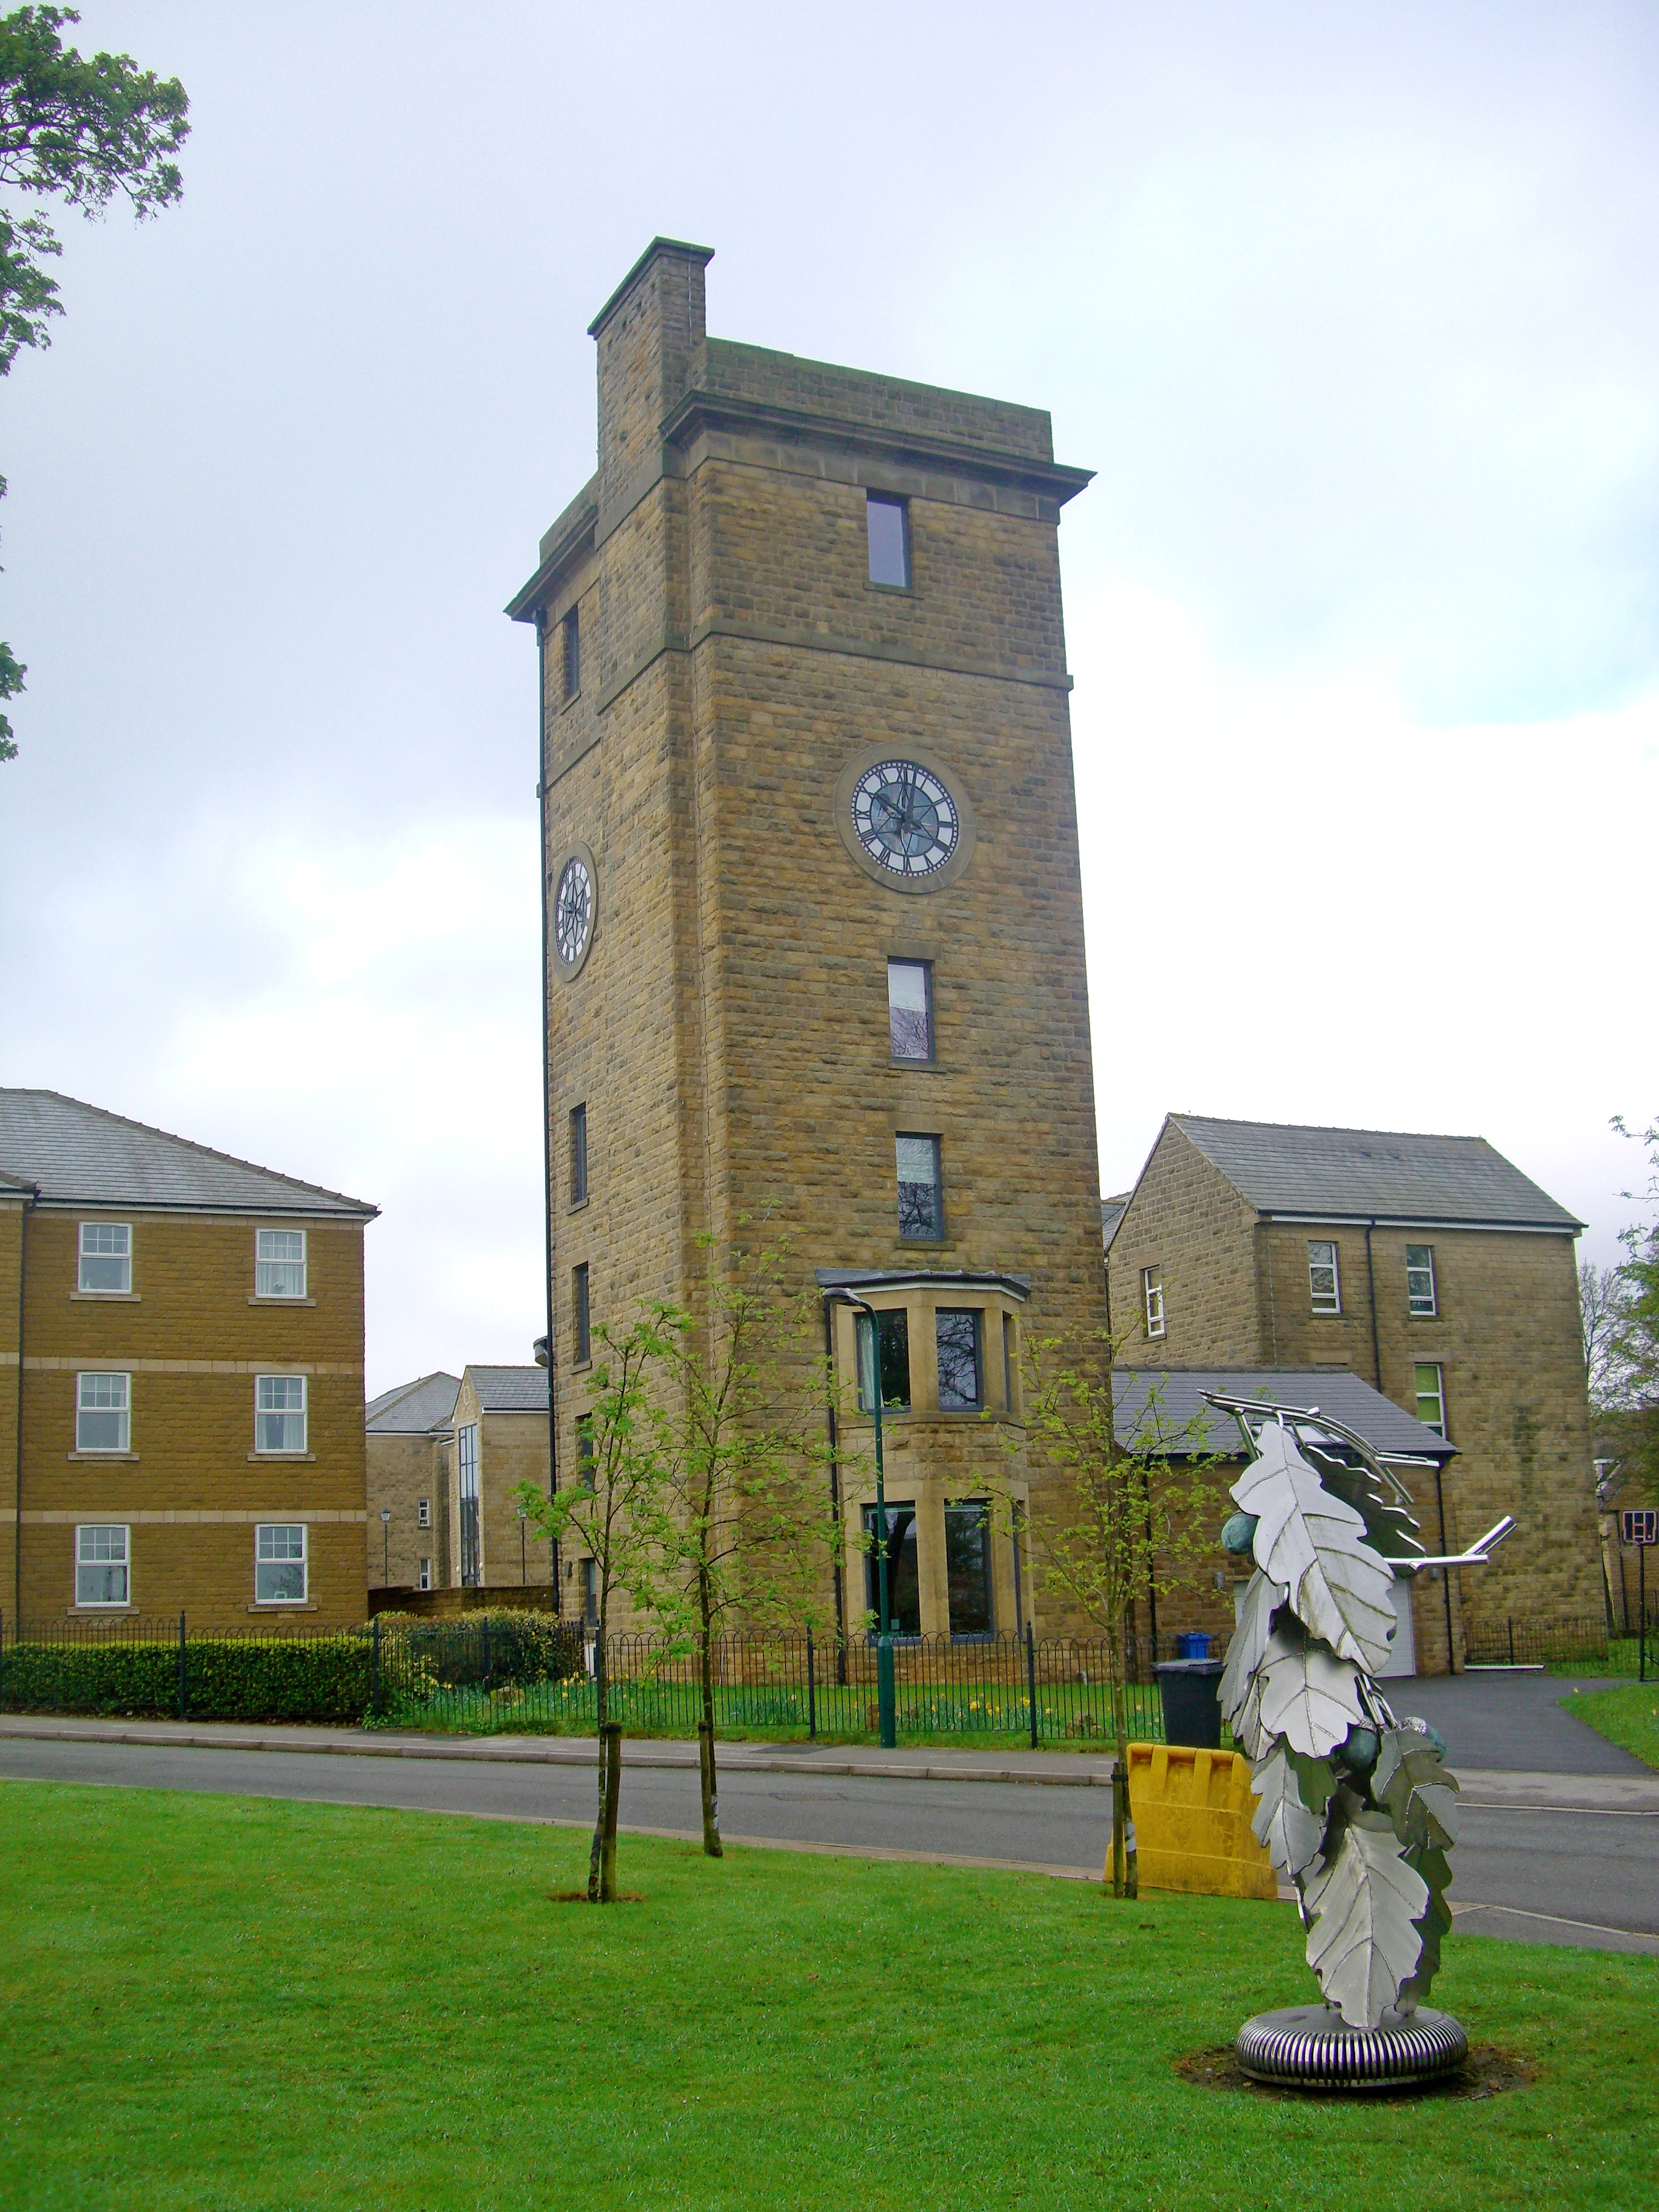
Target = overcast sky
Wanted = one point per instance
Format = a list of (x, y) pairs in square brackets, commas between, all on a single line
[(1353, 309)]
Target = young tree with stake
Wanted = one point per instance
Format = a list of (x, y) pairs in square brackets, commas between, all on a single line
[(616, 1510), (1125, 1524)]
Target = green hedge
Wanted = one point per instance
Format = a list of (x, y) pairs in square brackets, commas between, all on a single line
[(323, 1679), (495, 1649)]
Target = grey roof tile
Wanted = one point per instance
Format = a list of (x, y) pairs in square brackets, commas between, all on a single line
[(510, 1389), (78, 1154), (1149, 1401), (1349, 1174), (414, 1409)]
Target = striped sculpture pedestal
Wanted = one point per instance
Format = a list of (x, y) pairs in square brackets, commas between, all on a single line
[(1309, 2047)]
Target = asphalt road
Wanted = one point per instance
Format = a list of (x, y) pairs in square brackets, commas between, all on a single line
[(1535, 1874)]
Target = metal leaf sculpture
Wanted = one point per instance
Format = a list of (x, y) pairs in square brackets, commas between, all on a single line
[(1356, 1808), (1314, 1545), (1290, 1821), (1365, 1943)]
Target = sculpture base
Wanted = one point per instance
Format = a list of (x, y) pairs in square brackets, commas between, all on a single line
[(1310, 2047)]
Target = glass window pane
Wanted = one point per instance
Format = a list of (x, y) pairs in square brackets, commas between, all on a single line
[(279, 1263), (578, 1154), (968, 1568), (958, 1335), (100, 1566), (889, 554), (895, 1361), (105, 1256), (903, 1584), (920, 1211), (909, 1018)]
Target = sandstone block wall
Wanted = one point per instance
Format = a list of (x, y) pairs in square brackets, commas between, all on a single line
[(193, 1337)]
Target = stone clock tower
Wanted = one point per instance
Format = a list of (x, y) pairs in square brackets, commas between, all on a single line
[(815, 930)]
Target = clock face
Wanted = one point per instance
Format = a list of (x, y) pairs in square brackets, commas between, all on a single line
[(905, 818), (573, 910)]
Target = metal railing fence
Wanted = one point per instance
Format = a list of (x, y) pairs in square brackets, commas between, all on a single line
[(1587, 1643), (530, 1673)]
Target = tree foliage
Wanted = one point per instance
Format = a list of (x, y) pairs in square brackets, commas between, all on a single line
[(1628, 1426), (81, 131)]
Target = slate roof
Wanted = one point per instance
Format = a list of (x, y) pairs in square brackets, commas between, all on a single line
[(1112, 1210), (80, 1155), (510, 1389), (1363, 1174), (414, 1409), (1147, 1402)]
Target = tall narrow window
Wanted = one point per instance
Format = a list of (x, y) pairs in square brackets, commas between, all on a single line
[(587, 1452), (1008, 1361), (967, 1567), (903, 1583), (279, 1412), (105, 1256), (1430, 1381), (103, 1412), (591, 1593), (466, 1471), (921, 1199), (579, 1155), (910, 1009), (888, 524), (570, 654), (895, 1329), (1324, 1285), (581, 1334), (279, 1263), (1419, 1278), (423, 1578), (423, 1512), (100, 1566), (279, 1563), (1151, 1298), (958, 1335)]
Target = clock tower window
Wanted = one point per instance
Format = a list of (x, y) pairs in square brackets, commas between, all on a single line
[(920, 1192), (910, 1009), (888, 523)]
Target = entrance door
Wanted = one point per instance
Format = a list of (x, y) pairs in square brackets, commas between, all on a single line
[(1402, 1652)]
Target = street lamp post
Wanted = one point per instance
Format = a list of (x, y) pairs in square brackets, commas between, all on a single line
[(886, 1703), (386, 1544)]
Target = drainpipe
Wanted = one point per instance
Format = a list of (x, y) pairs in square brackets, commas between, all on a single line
[(547, 1093), (1445, 1553), (29, 1204), (1371, 1293)]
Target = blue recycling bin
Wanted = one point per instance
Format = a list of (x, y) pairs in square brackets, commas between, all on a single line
[(1191, 1644)]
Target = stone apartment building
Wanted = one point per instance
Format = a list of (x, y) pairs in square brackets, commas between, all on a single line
[(409, 1436), (1427, 1265), (814, 944), (181, 1377), (445, 1459)]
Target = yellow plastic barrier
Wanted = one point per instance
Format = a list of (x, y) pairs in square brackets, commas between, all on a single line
[(1192, 1814)]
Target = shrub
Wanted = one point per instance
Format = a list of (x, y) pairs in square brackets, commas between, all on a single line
[(229, 1678)]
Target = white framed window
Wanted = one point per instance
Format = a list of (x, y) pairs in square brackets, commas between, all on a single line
[(1430, 1381), (423, 1512), (1419, 1278), (103, 1412), (1151, 1298), (279, 1263), (423, 1579), (105, 1256), (279, 1412), (910, 1009), (279, 1563), (1324, 1285), (101, 1562)]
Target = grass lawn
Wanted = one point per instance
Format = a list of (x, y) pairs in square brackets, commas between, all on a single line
[(221, 2002), (1629, 1716)]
